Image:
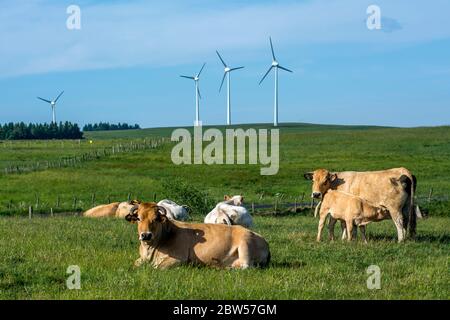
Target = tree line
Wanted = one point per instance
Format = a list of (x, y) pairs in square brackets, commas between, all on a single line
[(41, 131), (105, 126)]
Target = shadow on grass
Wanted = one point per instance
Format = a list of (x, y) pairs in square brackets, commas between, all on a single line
[(439, 238), (287, 264)]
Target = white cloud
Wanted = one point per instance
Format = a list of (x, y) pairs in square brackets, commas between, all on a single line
[(34, 38)]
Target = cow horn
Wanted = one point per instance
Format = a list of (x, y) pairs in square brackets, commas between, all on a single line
[(162, 211)]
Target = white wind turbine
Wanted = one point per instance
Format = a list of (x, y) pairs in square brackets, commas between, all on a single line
[(275, 65), (196, 79), (53, 105), (227, 71)]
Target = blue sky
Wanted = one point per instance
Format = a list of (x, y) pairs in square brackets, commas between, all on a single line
[(124, 63)]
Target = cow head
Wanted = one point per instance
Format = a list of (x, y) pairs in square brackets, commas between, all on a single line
[(235, 200), (322, 181), (150, 219), (382, 211)]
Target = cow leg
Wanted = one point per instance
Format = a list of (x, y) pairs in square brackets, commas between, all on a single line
[(398, 221), (363, 233), (321, 224), (243, 260), (349, 225), (344, 230), (331, 228)]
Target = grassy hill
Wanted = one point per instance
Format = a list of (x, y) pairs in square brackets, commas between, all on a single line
[(37, 252)]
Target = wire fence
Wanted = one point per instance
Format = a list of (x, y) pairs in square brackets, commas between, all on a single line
[(77, 160), (76, 204)]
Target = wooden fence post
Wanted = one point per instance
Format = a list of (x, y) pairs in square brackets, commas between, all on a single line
[(30, 212), (430, 195), (253, 208), (51, 212), (93, 199)]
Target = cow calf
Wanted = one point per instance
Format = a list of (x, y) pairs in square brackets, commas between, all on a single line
[(351, 209)]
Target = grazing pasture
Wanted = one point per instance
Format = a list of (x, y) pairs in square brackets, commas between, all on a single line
[(35, 253)]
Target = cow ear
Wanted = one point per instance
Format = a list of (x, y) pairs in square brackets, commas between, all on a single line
[(226, 197), (242, 199), (132, 217), (333, 177), (308, 175), (161, 212)]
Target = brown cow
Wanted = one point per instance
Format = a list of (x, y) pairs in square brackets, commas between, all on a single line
[(392, 188), (351, 209), (166, 243), (115, 209)]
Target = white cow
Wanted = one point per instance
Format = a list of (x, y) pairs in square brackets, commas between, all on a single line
[(230, 212), (174, 211)]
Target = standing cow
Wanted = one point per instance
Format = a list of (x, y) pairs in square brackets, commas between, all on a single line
[(392, 188)]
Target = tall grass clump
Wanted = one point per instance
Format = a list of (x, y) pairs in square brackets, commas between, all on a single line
[(197, 201)]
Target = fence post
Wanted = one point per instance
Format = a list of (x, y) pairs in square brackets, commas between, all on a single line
[(154, 197), (253, 208), (295, 204), (430, 195), (30, 212), (74, 202), (93, 199), (57, 201), (276, 205), (51, 212), (129, 196)]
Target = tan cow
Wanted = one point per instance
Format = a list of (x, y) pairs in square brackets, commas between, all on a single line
[(392, 188), (351, 209), (166, 243), (104, 210), (115, 209)]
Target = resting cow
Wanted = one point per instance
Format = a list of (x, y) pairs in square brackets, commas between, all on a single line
[(166, 243), (351, 209), (115, 209), (230, 212), (392, 188), (121, 209)]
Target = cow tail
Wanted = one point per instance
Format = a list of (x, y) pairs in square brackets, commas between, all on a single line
[(316, 211), (412, 212)]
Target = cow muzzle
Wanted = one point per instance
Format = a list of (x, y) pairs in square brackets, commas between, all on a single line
[(145, 236), (316, 195)]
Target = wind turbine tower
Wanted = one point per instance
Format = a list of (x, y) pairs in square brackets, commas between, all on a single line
[(226, 74), (275, 65)]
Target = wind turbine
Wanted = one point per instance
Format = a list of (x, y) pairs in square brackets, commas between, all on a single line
[(227, 71), (196, 79), (53, 105), (275, 65)]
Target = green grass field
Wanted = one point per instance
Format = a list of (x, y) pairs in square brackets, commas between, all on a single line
[(34, 254)]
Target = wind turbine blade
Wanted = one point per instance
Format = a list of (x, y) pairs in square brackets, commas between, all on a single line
[(232, 69), (198, 91), (198, 75), (271, 47), (266, 74), (223, 79), (187, 77), (223, 62), (44, 100), (59, 96), (285, 69)]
